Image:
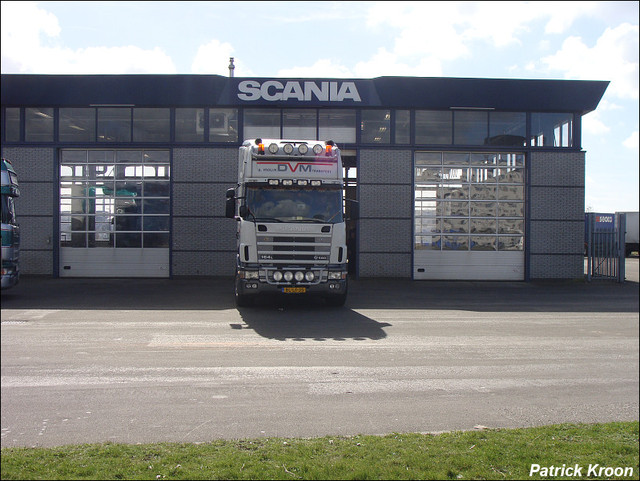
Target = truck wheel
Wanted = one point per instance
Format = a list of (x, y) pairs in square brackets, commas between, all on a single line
[(337, 301), (242, 301)]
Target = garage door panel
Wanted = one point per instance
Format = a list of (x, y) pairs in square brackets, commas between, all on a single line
[(123, 262), (470, 266)]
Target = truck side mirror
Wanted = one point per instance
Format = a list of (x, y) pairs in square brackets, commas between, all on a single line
[(230, 205)]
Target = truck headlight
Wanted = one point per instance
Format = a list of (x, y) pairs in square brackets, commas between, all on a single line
[(299, 276), (288, 276), (309, 276), (277, 276), (248, 275), (336, 276)]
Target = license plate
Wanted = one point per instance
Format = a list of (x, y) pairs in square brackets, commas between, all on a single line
[(294, 290)]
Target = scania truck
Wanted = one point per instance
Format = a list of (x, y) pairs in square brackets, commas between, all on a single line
[(291, 233), (10, 229)]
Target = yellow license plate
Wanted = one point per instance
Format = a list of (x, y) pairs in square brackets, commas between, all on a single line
[(294, 290)]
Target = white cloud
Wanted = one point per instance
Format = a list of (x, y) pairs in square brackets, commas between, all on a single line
[(449, 30), (614, 57), (592, 124), (388, 63), (213, 58), (563, 14), (632, 141), (382, 63), (29, 45), (23, 25), (323, 67)]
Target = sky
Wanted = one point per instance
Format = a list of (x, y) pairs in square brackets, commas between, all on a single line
[(531, 40)]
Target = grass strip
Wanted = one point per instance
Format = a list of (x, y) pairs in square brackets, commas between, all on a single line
[(484, 454)]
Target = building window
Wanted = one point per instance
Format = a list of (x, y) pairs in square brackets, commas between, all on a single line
[(189, 125), (261, 123), (375, 127), (12, 125), (223, 125), (151, 125), (114, 124), (403, 127), (433, 127), (337, 125), (508, 129), (38, 124), (470, 127), (299, 124), (77, 125), (552, 130)]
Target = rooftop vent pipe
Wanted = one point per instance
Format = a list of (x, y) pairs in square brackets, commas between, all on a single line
[(231, 67)]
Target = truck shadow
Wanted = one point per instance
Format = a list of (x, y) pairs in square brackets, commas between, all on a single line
[(313, 321)]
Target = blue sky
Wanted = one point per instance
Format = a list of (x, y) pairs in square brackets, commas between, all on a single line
[(553, 40)]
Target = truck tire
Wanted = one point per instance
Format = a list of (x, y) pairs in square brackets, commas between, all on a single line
[(337, 301)]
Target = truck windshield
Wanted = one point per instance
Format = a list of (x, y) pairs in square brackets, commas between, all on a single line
[(321, 204)]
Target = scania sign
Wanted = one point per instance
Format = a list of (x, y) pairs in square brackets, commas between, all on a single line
[(305, 91)]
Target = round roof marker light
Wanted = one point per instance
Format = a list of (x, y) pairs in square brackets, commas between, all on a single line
[(317, 149), (273, 148), (288, 148), (303, 149)]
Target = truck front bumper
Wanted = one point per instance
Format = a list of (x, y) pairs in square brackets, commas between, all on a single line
[(255, 287)]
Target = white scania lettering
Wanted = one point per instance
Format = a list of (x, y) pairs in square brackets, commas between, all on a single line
[(273, 90), (264, 90), (321, 93), (348, 90), (292, 91), (249, 90)]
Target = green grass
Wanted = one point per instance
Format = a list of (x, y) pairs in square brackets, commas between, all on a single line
[(487, 454)]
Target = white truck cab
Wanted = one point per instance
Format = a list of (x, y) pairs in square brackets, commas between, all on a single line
[(291, 226)]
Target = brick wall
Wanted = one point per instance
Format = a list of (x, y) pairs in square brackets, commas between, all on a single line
[(204, 241), (386, 204), (556, 236), (35, 167)]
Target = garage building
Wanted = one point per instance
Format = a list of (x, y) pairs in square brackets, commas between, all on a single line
[(456, 178)]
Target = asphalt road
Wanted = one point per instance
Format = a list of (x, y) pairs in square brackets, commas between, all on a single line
[(139, 361)]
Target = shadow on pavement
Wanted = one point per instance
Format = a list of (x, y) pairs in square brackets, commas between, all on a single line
[(217, 293), (295, 319)]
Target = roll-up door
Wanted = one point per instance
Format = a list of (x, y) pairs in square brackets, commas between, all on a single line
[(114, 213), (469, 216)]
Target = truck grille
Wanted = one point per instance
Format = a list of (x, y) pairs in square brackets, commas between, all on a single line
[(310, 249)]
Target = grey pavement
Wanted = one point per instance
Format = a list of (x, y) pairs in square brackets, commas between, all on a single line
[(141, 360)]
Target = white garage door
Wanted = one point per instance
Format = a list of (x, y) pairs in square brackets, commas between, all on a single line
[(114, 213), (469, 216)]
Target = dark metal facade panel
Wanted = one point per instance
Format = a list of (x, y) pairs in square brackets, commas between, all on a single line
[(521, 95)]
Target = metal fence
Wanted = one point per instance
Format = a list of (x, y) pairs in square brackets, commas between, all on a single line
[(604, 244)]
